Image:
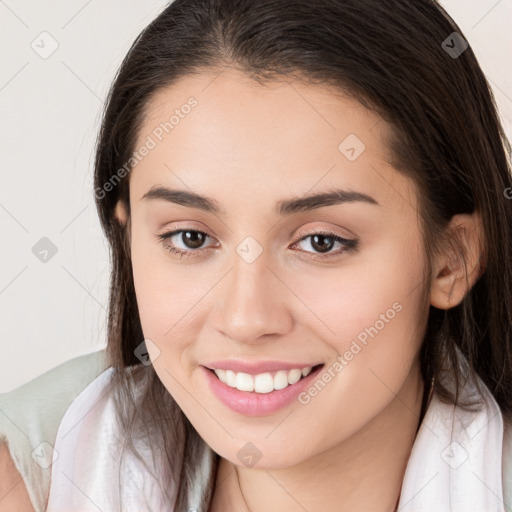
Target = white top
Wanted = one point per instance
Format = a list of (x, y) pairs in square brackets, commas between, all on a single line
[(88, 474), (30, 416), (455, 464)]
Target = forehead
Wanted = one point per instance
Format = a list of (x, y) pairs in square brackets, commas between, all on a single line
[(220, 133)]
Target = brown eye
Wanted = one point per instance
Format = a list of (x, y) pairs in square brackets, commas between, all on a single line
[(191, 241), (322, 243)]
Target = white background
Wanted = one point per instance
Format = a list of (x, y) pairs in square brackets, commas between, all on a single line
[(49, 118)]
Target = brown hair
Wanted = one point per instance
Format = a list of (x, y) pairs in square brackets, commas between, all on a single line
[(387, 54)]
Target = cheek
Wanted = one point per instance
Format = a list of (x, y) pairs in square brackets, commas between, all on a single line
[(375, 330), (373, 294), (163, 292), (172, 301), (165, 299)]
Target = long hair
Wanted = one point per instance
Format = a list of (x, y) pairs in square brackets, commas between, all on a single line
[(391, 56)]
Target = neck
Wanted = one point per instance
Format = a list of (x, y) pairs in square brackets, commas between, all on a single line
[(364, 472)]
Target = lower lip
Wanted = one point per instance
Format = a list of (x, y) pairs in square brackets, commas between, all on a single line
[(251, 403)]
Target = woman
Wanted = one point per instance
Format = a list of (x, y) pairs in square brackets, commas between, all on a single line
[(311, 294)]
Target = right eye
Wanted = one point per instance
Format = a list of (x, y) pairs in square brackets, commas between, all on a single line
[(192, 239)]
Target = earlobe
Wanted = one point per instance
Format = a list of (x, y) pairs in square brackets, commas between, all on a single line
[(449, 285)]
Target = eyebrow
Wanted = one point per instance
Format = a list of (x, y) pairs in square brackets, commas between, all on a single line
[(283, 207)]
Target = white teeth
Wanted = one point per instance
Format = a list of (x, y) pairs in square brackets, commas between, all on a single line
[(280, 379), (294, 376), (263, 382), (230, 378), (221, 374), (244, 382)]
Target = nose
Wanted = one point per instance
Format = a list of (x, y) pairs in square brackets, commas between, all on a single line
[(252, 302)]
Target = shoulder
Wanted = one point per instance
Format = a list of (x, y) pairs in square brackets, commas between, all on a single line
[(93, 404), (49, 395), (94, 466), (92, 408), (30, 416), (83, 446)]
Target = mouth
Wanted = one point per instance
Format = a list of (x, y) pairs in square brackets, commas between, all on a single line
[(266, 382)]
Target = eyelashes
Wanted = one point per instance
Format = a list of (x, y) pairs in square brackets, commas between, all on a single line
[(319, 236)]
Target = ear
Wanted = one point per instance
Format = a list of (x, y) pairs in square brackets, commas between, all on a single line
[(120, 212), (466, 253)]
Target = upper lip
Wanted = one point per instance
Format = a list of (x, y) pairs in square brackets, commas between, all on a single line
[(255, 367)]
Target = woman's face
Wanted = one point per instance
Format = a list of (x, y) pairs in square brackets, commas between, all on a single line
[(269, 282)]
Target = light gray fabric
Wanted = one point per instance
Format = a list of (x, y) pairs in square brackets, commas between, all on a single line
[(31, 414)]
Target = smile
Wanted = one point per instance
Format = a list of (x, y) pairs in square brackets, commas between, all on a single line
[(261, 393), (262, 382)]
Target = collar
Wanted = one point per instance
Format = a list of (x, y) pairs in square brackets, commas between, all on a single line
[(456, 460)]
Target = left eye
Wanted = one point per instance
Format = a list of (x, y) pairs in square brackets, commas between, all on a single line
[(193, 240), (318, 242)]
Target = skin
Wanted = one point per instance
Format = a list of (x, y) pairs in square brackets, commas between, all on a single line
[(13, 493), (249, 146)]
